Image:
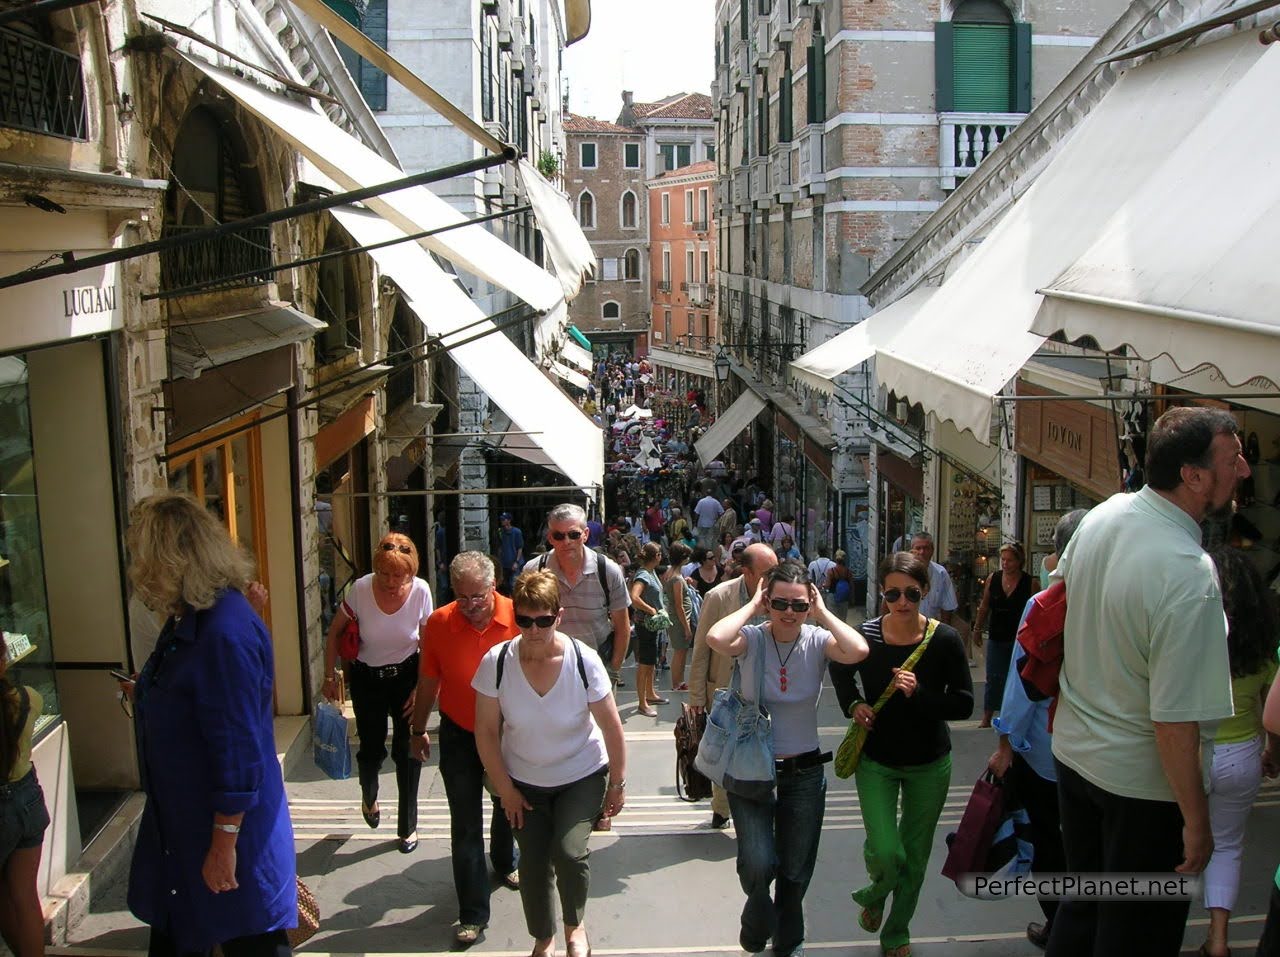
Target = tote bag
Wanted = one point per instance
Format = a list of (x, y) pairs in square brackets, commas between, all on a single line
[(331, 746), (736, 751)]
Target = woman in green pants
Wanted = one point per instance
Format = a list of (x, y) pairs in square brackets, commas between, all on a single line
[(908, 749)]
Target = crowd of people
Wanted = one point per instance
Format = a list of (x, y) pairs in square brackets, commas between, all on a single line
[(1165, 649)]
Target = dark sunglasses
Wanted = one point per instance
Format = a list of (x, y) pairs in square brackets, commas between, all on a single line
[(913, 594), (561, 536), (542, 621), (392, 547), (782, 604)]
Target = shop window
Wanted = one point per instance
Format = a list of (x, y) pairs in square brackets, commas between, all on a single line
[(610, 310), (208, 185), (226, 477), (24, 610), (631, 264), (342, 515), (982, 60)]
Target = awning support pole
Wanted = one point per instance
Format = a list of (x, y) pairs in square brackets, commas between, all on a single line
[(1138, 396), (71, 264), (460, 491), (331, 254)]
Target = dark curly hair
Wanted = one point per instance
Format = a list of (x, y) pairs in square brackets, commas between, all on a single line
[(1253, 624)]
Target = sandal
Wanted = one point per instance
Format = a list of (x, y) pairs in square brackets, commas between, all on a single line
[(647, 712), (869, 920), (467, 934), (902, 950)]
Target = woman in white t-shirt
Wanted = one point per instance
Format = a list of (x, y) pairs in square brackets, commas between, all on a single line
[(390, 608), (561, 739), (778, 838)]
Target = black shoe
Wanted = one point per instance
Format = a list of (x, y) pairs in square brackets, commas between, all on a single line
[(1038, 934), (371, 817), (719, 822), (751, 946), (408, 845)]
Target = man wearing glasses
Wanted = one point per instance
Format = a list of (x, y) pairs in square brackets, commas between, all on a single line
[(593, 590), (455, 640)]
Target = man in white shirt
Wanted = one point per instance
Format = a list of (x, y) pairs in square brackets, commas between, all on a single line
[(941, 601), (819, 567), (708, 510)]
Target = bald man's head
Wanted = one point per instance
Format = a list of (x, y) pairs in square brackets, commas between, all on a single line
[(756, 559)]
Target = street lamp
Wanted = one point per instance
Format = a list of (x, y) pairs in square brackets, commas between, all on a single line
[(723, 366)]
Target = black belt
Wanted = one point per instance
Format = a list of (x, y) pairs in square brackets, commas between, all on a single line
[(799, 762), (387, 672)]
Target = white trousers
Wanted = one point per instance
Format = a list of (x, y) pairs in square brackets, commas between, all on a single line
[(1234, 781)]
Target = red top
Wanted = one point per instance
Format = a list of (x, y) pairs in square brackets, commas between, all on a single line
[(452, 651)]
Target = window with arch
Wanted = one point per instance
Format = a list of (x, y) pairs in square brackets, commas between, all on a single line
[(982, 60), (587, 210), (610, 310), (631, 265), (628, 215)]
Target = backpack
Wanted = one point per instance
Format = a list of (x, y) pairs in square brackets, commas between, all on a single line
[(692, 608), (691, 784), (843, 590), (506, 647)]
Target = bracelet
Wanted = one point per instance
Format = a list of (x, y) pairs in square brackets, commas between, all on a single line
[(620, 786), (229, 828)]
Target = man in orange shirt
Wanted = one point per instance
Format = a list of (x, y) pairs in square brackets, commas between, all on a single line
[(456, 639)]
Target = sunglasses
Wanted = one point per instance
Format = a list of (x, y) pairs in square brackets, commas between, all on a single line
[(795, 604), (561, 536), (913, 594), (542, 621), (392, 547)]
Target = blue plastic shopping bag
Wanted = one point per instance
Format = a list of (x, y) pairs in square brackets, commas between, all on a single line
[(332, 747)]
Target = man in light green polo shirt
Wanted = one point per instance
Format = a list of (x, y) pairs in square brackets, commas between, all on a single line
[(1145, 676)]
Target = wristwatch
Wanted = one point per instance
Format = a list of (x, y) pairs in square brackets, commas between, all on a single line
[(620, 786)]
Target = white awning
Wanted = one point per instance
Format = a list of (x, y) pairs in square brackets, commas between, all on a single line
[(565, 242), (353, 165), (533, 403), (577, 356), (201, 344), (818, 367), (974, 334), (572, 376), (729, 426), (1186, 267), (683, 362)]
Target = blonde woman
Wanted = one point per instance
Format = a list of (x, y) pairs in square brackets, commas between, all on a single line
[(214, 862), (391, 608), (559, 760)]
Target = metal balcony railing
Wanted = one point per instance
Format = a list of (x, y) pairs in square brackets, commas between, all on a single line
[(41, 88), (700, 225), (664, 286), (209, 263)]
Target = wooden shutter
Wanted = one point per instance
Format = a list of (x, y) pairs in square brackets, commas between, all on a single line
[(982, 67), (816, 101), (943, 37), (785, 121), (373, 82), (1022, 68)]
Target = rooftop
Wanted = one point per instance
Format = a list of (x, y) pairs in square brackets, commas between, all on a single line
[(573, 123), (694, 169), (678, 106)]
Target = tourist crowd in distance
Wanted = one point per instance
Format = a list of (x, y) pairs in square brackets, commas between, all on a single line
[(1155, 752)]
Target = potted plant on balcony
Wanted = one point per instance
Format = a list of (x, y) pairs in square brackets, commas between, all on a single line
[(548, 164)]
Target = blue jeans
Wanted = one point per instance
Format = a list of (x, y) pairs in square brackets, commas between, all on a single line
[(463, 777), (778, 844)]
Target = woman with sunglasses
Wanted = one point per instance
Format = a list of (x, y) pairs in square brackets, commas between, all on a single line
[(560, 757), (778, 838), (908, 750), (390, 607)]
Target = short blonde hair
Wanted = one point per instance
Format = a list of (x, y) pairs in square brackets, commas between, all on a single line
[(392, 561), (537, 589), (180, 555)]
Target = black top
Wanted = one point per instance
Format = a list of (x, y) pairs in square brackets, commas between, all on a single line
[(909, 731), (1006, 610), (702, 584)]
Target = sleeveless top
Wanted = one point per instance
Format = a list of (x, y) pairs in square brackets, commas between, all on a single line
[(1006, 610)]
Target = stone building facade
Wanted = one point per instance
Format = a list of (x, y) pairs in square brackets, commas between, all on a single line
[(842, 127), (682, 240), (604, 177)]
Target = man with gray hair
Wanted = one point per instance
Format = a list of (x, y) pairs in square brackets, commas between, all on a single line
[(593, 590), (456, 639), (940, 601), (710, 669)]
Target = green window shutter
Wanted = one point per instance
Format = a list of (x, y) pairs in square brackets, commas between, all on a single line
[(373, 82), (785, 124), (943, 53), (1022, 68), (744, 18), (982, 67), (816, 102)]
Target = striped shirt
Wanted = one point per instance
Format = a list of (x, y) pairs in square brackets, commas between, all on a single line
[(584, 614)]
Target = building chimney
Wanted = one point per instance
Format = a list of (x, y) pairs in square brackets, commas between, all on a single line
[(627, 98)]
